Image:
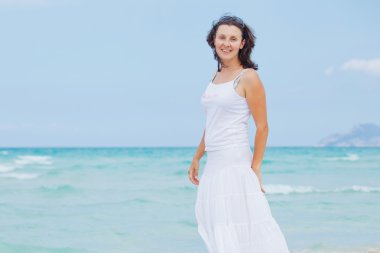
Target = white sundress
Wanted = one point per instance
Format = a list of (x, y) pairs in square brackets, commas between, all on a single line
[(232, 212)]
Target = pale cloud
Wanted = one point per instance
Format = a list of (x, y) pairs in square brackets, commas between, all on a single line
[(368, 66)]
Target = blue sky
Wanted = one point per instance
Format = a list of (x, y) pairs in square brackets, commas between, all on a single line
[(121, 73)]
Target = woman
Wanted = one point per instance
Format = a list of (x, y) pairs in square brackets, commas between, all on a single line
[(231, 209)]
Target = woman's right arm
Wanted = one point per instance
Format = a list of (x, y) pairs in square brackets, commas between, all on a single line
[(194, 166)]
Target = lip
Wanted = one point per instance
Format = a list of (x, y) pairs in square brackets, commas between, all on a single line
[(229, 51)]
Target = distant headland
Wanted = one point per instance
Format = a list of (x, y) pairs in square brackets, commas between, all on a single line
[(362, 135)]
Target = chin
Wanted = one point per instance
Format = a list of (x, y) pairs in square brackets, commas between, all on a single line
[(227, 57)]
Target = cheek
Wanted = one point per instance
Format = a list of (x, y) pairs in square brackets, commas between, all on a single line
[(236, 45), (217, 43)]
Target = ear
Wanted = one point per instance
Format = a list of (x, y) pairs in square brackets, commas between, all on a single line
[(242, 44)]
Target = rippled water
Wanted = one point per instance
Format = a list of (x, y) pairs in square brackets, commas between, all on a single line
[(139, 200)]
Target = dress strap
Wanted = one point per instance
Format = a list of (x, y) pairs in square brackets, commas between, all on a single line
[(236, 78), (236, 81), (212, 80)]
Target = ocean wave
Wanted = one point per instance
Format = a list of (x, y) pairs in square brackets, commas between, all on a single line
[(187, 223), (33, 159), (340, 250), (14, 247), (360, 188), (20, 176), (5, 168), (140, 201), (4, 152), (288, 189), (66, 188), (348, 157)]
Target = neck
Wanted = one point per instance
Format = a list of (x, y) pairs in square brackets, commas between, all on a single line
[(231, 65)]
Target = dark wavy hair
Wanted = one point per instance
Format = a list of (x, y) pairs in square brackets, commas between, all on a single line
[(247, 34)]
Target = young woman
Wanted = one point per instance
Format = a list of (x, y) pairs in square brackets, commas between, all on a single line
[(231, 208)]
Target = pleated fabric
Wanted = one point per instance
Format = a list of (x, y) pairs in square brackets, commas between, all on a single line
[(232, 212)]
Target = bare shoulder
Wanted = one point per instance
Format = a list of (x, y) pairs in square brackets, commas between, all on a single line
[(251, 80)]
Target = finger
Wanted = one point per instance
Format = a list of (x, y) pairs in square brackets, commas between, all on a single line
[(194, 175), (190, 175), (193, 178)]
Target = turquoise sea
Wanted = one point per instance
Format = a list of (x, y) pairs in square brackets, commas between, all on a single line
[(139, 200)]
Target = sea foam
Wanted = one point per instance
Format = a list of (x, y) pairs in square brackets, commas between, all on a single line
[(5, 168), (33, 159), (20, 176), (289, 189), (348, 157)]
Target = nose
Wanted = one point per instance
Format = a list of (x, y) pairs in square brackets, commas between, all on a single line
[(226, 43)]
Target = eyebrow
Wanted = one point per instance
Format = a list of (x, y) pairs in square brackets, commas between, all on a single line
[(221, 34)]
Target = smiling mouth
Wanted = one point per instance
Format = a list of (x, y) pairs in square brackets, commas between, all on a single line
[(226, 51)]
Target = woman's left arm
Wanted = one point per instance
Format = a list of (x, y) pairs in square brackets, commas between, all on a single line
[(255, 95)]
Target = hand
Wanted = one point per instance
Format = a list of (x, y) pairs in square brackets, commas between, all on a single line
[(193, 172), (262, 187), (258, 175)]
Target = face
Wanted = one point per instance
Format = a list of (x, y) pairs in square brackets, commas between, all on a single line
[(228, 41)]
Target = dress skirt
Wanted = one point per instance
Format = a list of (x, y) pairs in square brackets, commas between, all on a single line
[(232, 212)]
